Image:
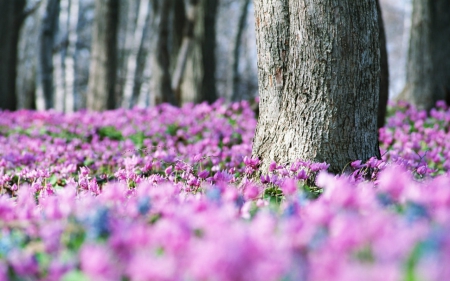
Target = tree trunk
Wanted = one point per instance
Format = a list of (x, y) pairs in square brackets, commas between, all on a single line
[(208, 91), (102, 77), (70, 73), (133, 67), (161, 78), (319, 76), (47, 44), (186, 78), (11, 18), (198, 51), (384, 71), (235, 78), (27, 64), (428, 66)]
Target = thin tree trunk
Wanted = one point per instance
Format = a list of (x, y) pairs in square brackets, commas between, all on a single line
[(102, 77), (319, 67), (136, 49), (26, 80), (208, 90), (11, 19), (187, 52), (47, 44), (59, 57), (428, 66), (70, 56), (384, 73), (197, 55), (235, 78), (161, 78), (140, 80)]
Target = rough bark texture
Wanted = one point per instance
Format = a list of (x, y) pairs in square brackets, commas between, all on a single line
[(11, 19), (102, 77), (428, 66), (319, 64), (384, 71)]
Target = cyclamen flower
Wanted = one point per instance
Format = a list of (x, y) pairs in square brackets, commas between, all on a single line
[(273, 166), (289, 186), (168, 171), (203, 174)]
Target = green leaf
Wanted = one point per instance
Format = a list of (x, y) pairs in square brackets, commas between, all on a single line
[(172, 129), (88, 162), (44, 260), (138, 139), (232, 122), (53, 180), (110, 132), (411, 264), (75, 275)]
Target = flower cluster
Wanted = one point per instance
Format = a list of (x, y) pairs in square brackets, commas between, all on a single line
[(170, 194)]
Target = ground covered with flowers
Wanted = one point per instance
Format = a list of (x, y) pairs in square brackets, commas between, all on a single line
[(170, 194)]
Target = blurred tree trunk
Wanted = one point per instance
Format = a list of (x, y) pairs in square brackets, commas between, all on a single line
[(28, 60), (46, 46), (208, 90), (235, 78), (69, 62), (428, 65), (12, 15), (160, 84), (319, 78), (384, 73), (198, 82), (102, 76), (134, 67)]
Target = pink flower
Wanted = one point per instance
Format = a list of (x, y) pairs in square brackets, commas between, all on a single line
[(97, 262), (289, 186)]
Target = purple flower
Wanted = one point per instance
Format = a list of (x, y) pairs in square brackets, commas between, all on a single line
[(289, 186), (203, 174)]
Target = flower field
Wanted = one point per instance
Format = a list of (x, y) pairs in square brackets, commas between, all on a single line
[(171, 193)]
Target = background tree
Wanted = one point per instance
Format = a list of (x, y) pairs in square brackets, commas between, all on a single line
[(384, 70), (161, 78), (12, 15), (103, 68), (319, 76), (235, 77), (428, 65)]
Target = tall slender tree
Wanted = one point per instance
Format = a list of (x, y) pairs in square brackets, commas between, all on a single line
[(46, 46), (161, 77), (12, 15), (384, 70), (319, 79), (235, 78), (428, 64), (103, 68)]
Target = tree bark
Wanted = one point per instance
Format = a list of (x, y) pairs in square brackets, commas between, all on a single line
[(428, 65), (384, 71), (12, 15), (161, 78), (102, 77), (186, 78), (208, 91), (70, 69), (319, 81), (235, 78), (133, 67), (28, 59)]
